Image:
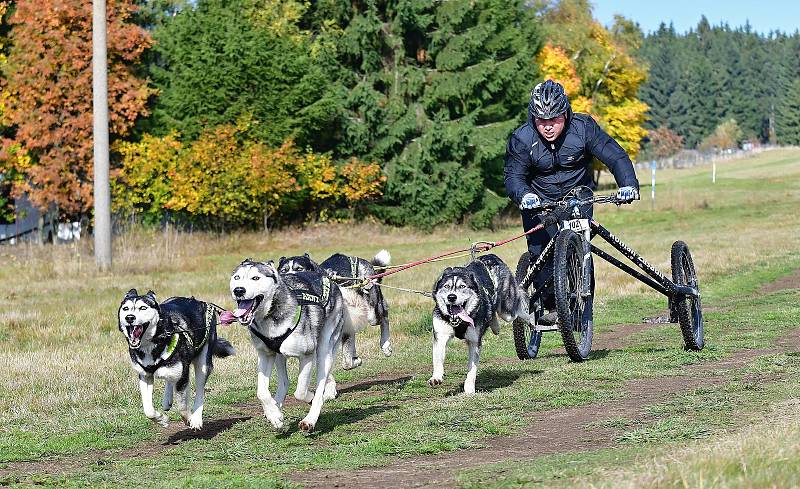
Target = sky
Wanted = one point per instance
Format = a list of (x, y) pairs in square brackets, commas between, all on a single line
[(764, 15)]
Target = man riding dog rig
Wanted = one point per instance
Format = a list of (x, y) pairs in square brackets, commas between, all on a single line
[(550, 155)]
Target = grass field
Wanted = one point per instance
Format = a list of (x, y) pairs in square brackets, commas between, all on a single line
[(70, 413)]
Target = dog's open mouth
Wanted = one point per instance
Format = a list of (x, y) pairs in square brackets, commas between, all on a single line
[(455, 311), (246, 309), (135, 335)]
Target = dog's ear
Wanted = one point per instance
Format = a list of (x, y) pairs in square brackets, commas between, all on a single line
[(476, 282), (151, 295), (131, 293), (439, 280), (306, 255)]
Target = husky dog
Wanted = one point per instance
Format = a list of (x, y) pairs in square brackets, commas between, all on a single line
[(468, 301), (295, 315), (365, 303), (163, 340)]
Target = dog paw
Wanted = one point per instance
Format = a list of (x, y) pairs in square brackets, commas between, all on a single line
[(196, 422), (160, 419), (434, 381), (306, 426), (469, 389), (185, 415), (330, 393), (275, 418), (307, 397), (386, 348), (354, 362)]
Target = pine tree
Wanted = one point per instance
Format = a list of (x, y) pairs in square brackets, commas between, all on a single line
[(722, 73), (662, 78), (433, 90), (154, 14), (788, 116), (217, 66)]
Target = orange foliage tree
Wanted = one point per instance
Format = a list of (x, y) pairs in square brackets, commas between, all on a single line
[(48, 94), (599, 67)]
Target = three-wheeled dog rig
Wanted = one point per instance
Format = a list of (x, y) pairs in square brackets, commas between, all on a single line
[(572, 279)]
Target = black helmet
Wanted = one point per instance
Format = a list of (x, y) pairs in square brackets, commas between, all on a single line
[(547, 101)]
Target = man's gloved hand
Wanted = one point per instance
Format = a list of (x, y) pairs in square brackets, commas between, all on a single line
[(530, 201), (626, 195)]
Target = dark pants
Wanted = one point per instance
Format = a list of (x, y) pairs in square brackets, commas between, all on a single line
[(536, 244)]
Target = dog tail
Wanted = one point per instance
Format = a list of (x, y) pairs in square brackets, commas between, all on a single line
[(381, 260), (222, 348)]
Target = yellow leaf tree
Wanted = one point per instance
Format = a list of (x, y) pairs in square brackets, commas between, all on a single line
[(597, 69)]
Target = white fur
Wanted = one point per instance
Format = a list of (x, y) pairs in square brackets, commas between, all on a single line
[(307, 350), (382, 258)]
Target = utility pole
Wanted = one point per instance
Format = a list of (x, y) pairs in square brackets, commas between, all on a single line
[(102, 190)]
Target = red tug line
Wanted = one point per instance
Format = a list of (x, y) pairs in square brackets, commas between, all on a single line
[(479, 247)]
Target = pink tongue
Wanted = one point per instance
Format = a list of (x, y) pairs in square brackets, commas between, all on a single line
[(465, 317), (239, 312), (226, 317), (137, 331)]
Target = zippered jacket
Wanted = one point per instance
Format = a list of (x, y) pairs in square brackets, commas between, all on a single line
[(551, 169)]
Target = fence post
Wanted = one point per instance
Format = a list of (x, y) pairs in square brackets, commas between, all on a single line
[(653, 180)]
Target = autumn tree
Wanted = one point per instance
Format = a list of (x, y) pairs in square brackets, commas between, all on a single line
[(8, 174), (727, 135), (223, 180), (48, 97), (603, 63), (663, 142)]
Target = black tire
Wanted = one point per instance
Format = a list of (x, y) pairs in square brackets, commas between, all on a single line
[(688, 309), (574, 311), (526, 338)]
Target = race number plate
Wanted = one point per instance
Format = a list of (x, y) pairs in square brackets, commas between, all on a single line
[(577, 225)]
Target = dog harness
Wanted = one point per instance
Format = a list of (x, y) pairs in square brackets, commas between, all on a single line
[(304, 297), (175, 337)]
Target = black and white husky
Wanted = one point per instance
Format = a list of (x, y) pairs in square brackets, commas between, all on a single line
[(468, 301), (365, 304), (163, 340), (296, 315)]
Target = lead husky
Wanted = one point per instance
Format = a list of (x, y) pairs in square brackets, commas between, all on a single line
[(468, 301), (298, 315), (365, 303), (163, 339)]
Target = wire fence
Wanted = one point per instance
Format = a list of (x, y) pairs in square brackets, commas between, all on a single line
[(691, 157)]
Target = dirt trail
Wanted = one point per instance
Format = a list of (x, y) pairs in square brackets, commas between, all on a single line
[(548, 432), (791, 281)]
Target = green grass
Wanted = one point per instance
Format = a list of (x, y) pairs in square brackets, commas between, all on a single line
[(66, 388)]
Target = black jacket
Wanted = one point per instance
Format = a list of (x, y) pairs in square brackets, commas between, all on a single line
[(550, 170)]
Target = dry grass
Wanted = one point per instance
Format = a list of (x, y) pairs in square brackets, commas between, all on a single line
[(765, 455)]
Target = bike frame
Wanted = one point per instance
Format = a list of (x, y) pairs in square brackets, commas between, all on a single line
[(652, 277)]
